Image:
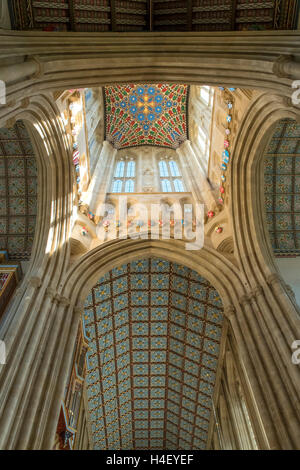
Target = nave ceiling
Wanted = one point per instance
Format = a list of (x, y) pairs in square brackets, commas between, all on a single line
[(151, 323)]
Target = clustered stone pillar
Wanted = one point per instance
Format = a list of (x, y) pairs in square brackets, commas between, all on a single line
[(102, 178), (194, 173)]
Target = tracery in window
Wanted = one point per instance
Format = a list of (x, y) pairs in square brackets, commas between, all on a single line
[(170, 177), (124, 177)]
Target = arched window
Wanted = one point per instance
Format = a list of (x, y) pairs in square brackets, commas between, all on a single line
[(119, 173), (117, 186), (124, 177), (129, 186), (170, 176), (163, 169), (174, 168), (166, 186), (178, 186), (130, 169)]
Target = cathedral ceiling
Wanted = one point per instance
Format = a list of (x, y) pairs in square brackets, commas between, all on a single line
[(153, 15), (18, 192), (146, 115), (282, 188), (155, 329)]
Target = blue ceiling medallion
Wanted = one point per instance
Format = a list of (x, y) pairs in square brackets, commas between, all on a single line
[(141, 117), (133, 99), (158, 98)]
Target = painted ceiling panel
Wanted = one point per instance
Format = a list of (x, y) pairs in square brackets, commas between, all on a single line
[(142, 15), (146, 115), (282, 188), (155, 329), (18, 192)]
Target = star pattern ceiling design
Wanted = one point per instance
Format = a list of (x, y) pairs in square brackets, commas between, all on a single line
[(155, 329), (18, 192), (146, 115), (282, 188)]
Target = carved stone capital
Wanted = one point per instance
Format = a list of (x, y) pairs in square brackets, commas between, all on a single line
[(229, 310), (10, 122), (25, 102), (279, 65), (257, 291), (245, 300), (274, 279), (78, 308), (35, 281), (50, 292), (40, 68), (64, 301), (290, 291)]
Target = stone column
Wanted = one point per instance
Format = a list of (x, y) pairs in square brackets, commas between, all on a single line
[(102, 177), (194, 174), (30, 68)]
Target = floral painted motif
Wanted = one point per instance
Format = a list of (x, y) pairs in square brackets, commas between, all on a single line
[(146, 115)]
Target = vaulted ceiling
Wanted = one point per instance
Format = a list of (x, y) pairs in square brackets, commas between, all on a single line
[(282, 188), (18, 192), (146, 115), (153, 15), (155, 329)]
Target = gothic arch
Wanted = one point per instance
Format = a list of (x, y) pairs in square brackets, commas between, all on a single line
[(44, 314), (246, 178), (261, 60)]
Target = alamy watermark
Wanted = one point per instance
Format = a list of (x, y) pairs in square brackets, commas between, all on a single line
[(296, 353), (2, 92), (2, 352), (296, 93), (155, 221)]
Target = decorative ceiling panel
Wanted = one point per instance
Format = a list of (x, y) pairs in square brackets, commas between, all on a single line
[(155, 330), (158, 15), (18, 192), (282, 188), (146, 115)]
